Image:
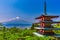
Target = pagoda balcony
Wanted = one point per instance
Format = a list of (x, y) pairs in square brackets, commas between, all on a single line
[(38, 28), (48, 22), (40, 35)]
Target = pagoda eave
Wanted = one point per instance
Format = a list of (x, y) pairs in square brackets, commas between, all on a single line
[(40, 35), (38, 28), (46, 17), (56, 22), (49, 22)]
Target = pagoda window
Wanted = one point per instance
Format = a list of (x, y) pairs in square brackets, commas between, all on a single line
[(42, 25), (42, 18), (41, 31)]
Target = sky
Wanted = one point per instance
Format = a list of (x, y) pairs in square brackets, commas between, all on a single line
[(27, 9)]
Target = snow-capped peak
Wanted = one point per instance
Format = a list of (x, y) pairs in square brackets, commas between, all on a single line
[(17, 17)]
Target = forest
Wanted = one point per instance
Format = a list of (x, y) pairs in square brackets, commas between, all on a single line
[(15, 33)]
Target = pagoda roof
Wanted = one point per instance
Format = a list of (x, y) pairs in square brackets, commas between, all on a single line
[(46, 16)]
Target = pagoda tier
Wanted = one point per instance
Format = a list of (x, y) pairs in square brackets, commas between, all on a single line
[(46, 32), (47, 24), (39, 35), (46, 17)]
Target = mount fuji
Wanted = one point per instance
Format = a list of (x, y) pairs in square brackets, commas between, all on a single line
[(17, 22)]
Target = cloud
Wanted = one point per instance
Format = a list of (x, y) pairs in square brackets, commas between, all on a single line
[(10, 19)]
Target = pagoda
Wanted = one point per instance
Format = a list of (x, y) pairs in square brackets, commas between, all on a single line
[(46, 22)]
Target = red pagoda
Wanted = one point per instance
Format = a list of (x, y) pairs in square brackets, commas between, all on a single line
[(45, 23)]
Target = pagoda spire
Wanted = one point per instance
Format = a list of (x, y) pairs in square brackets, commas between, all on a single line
[(45, 7)]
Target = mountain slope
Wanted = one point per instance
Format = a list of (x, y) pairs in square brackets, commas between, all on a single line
[(17, 23)]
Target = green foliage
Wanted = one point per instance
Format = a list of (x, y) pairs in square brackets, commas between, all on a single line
[(14, 30), (34, 25), (15, 33), (57, 26)]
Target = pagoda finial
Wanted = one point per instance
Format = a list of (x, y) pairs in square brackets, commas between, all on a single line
[(45, 7)]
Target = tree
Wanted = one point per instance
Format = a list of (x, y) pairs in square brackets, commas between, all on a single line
[(57, 26), (14, 30), (34, 25)]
